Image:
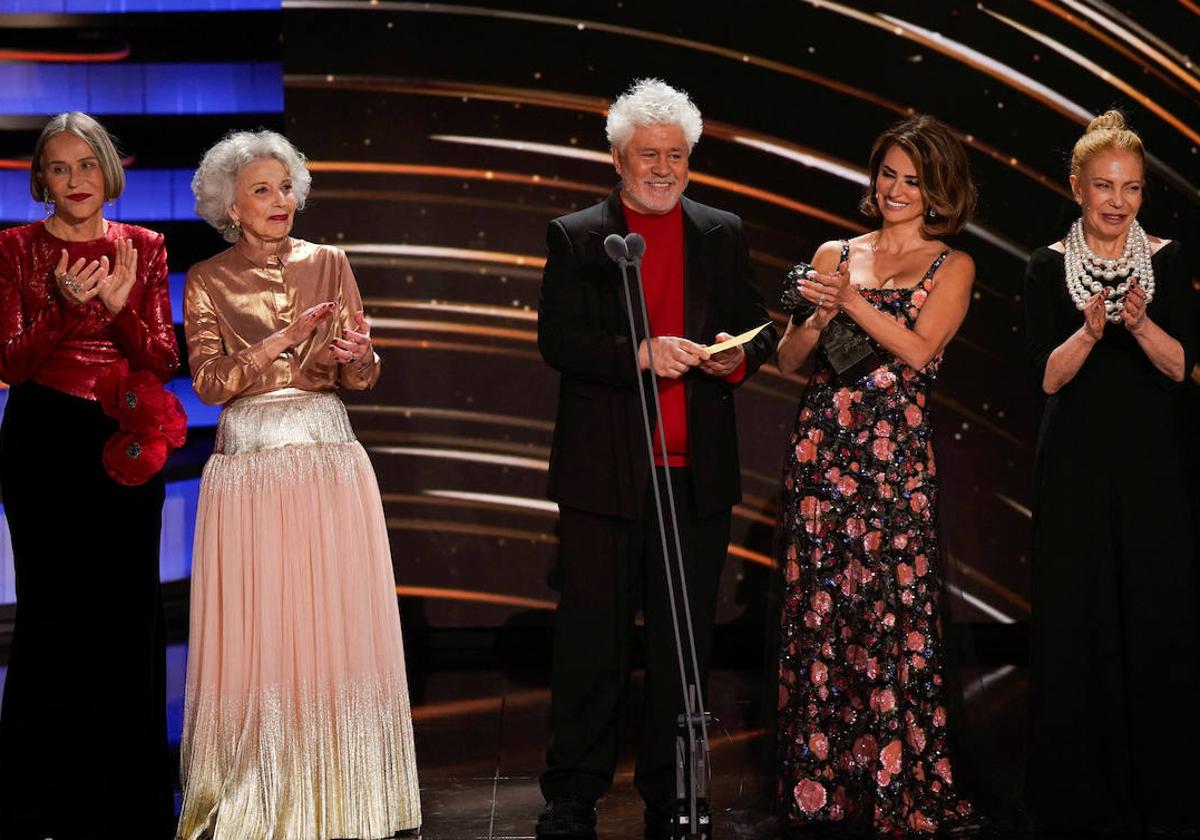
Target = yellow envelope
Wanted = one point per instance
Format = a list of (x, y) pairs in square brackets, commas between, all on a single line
[(736, 341)]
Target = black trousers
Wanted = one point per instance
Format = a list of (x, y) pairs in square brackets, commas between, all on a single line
[(611, 567), (83, 731)]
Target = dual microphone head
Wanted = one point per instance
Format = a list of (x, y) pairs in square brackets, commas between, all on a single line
[(625, 249)]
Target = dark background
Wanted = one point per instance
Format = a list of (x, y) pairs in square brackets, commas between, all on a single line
[(447, 235)]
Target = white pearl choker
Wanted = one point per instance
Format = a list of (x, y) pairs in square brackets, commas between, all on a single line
[(1088, 274)]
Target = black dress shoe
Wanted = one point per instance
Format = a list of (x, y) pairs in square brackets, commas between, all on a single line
[(567, 818)]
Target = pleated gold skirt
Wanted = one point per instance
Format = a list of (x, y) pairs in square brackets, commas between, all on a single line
[(296, 719)]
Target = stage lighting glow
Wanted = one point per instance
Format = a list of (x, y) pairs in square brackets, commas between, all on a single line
[(1141, 39), (463, 455), (499, 257), (1098, 71), (521, 502)]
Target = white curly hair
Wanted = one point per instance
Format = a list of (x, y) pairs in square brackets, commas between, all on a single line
[(652, 102), (215, 179)]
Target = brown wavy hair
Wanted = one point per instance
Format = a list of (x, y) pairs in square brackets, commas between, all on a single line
[(943, 173)]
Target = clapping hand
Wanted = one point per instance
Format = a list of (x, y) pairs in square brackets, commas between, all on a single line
[(81, 282), (1133, 315), (304, 326), (1094, 316), (113, 288), (354, 347), (828, 291)]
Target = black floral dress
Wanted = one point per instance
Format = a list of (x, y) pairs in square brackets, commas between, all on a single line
[(862, 723)]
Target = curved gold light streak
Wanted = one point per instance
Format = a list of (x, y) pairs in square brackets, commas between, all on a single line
[(466, 173), (414, 197), (464, 504), (474, 596), (961, 53), (537, 180), (992, 585), (521, 503), (1142, 40), (529, 336), (754, 516), (450, 526), (751, 556), (598, 105), (1192, 7), (458, 308), (1110, 42), (454, 414), (525, 505), (1098, 71), (481, 705), (421, 325), (439, 251), (693, 176), (469, 267), (806, 157), (511, 447), (61, 57), (456, 347), (489, 458), (490, 501)]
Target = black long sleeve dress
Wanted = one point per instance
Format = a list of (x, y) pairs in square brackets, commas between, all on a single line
[(1115, 659)]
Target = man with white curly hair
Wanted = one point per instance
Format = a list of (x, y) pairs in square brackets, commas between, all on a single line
[(699, 288)]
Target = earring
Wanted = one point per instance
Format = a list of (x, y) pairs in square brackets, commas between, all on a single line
[(234, 229), (931, 213), (46, 200)]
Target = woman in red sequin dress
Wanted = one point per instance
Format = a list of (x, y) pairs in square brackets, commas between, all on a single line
[(862, 719), (83, 734)]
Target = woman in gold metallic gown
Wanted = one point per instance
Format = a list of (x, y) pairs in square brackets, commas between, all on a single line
[(297, 722)]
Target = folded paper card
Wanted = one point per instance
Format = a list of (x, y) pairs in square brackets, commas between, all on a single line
[(736, 341)]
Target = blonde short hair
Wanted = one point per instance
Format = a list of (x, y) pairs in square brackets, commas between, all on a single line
[(89, 131), (1107, 131)]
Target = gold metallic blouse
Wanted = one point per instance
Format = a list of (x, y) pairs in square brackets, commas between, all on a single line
[(235, 300)]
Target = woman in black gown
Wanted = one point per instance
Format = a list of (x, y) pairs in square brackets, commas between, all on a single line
[(1115, 594), (85, 342)]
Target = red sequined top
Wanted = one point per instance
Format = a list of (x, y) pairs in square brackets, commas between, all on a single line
[(45, 339)]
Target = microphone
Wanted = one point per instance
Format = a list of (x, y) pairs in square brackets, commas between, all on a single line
[(616, 248), (635, 244)]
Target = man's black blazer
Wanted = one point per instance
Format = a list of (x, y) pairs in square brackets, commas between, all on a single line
[(598, 462)]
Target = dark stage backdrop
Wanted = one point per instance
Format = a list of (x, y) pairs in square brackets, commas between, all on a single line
[(443, 137)]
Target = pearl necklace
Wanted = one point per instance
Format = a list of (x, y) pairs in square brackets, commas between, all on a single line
[(1088, 274)]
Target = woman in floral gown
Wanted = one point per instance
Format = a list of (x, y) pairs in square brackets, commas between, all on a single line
[(862, 719)]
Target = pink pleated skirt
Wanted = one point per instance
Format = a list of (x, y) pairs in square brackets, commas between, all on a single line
[(296, 718)]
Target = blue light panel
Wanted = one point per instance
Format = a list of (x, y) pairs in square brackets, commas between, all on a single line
[(151, 195), (52, 7), (36, 89)]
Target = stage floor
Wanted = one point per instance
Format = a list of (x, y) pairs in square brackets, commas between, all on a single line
[(481, 733)]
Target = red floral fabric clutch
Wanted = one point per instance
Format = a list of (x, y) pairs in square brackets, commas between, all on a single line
[(151, 419)]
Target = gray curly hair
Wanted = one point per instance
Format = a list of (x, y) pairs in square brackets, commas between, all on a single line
[(215, 179), (652, 102)]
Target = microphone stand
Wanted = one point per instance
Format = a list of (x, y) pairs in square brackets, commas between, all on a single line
[(692, 819)]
